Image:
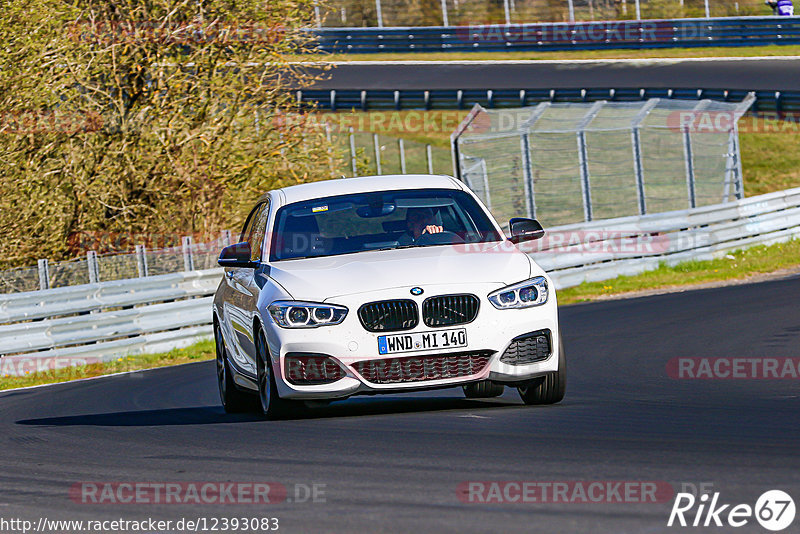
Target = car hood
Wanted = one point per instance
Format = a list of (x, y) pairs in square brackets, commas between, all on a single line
[(318, 279)]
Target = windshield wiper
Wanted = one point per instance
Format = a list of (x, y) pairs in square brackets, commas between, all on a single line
[(397, 247)]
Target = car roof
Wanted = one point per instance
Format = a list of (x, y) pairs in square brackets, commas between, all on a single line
[(365, 184)]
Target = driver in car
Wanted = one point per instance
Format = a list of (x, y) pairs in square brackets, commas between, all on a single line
[(419, 221)]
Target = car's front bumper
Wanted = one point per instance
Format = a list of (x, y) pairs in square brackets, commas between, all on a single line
[(348, 343)]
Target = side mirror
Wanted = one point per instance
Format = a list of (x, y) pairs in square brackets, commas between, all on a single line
[(524, 230), (237, 255)]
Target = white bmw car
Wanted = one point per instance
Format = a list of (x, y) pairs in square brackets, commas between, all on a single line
[(381, 285)]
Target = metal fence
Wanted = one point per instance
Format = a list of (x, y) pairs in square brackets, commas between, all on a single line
[(368, 154), (669, 33), (93, 267), (380, 13), (565, 163)]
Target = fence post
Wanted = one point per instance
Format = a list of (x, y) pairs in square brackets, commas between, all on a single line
[(455, 156), (402, 148), (689, 164), (353, 152), (733, 170), (380, 13), (445, 20), (507, 12), (94, 268), (636, 144), (329, 138), (485, 172), (44, 274), (734, 154), (638, 170), (317, 16), (454, 137), (429, 155), (527, 164), (141, 261), (377, 144), (583, 158), (188, 260), (688, 157), (638, 11), (585, 185), (572, 10), (527, 175)]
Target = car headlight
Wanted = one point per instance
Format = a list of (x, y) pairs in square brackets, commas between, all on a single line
[(525, 294), (290, 314)]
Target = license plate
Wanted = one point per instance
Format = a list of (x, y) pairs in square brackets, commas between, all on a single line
[(440, 339)]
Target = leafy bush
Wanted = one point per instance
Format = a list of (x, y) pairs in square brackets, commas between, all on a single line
[(146, 117)]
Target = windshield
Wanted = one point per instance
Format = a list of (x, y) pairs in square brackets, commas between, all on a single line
[(379, 220)]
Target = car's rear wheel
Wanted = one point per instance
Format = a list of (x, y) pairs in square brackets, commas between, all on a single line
[(233, 400), (272, 406), (483, 390), (550, 388)]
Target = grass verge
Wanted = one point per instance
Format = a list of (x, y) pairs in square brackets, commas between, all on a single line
[(736, 265), (203, 350), (720, 51)]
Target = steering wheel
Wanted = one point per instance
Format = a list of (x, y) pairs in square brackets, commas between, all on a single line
[(439, 238)]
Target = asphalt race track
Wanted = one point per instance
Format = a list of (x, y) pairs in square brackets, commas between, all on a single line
[(751, 74), (393, 464)]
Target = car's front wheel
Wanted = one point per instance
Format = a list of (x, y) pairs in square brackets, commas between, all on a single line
[(272, 406), (550, 388), (233, 400)]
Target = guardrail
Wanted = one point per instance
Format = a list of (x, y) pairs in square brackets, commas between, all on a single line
[(776, 103), (99, 322), (91, 323), (600, 250), (663, 33)]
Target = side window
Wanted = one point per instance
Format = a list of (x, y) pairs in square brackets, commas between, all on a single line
[(259, 231)]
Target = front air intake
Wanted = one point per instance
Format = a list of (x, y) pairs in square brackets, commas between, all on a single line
[(421, 368), (528, 348), (306, 369)]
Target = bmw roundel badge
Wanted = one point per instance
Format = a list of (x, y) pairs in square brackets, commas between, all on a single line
[(416, 291)]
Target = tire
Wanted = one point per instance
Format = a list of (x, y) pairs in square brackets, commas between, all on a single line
[(271, 405), (483, 390), (233, 400), (550, 388)]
